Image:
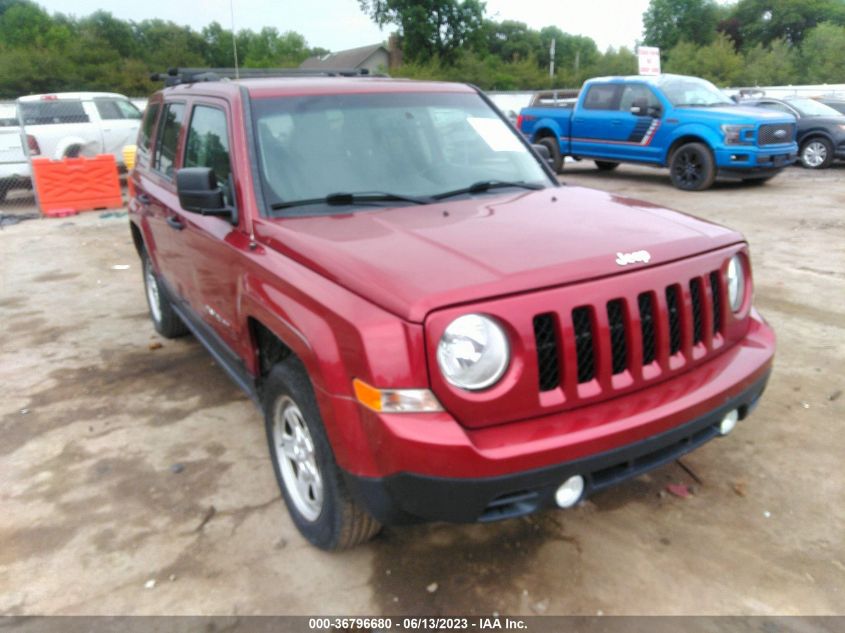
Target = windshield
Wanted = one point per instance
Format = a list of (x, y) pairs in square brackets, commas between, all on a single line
[(690, 91), (809, 107), (415, 145)]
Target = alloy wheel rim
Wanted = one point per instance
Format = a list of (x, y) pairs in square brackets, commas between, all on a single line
[(815, 154), (152, 292), (297, 459), (688, 168)]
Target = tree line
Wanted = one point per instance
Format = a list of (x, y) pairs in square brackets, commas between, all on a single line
[(749, 42)]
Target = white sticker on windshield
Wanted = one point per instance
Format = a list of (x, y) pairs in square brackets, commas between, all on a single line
[(496, 134)]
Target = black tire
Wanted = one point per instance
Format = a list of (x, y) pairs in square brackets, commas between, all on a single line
[(164, 317), (606, 165), (816, 153), (692, 168), (554, 151), (337, 522)]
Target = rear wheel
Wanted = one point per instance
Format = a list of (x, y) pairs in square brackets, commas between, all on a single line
[(691, 167), (554, 151), (164, 317), (606, 165), (816, 153), (312, 486)]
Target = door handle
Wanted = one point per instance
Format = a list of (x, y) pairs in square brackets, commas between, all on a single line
[(174, 223), (143, 198)]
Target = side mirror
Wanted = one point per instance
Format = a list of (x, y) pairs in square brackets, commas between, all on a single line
[(544, 153), (639, 107), (199, 193)]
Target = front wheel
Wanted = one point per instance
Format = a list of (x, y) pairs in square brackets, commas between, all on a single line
[(606, 165), (554, 151), (816, 153), (692, 168), (312, 486)]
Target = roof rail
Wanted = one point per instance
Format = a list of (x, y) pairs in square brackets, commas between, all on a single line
[(176, 76)]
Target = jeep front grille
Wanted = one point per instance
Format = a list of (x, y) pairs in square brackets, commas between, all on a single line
[(689, 316)]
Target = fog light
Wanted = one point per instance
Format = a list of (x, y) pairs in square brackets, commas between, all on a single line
[(728, 422), (570, 492)]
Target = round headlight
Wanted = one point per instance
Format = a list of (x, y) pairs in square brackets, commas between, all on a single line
[(473, 352), (736, 283)]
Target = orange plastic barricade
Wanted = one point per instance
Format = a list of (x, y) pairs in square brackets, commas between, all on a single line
[(76, 184)]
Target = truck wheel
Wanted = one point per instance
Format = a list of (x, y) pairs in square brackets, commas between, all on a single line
[(816, 153), (312, 486), (606, 165), (164, 317), (691, 167), (554, 152)]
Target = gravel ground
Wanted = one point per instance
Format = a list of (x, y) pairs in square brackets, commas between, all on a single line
[(135, 478)]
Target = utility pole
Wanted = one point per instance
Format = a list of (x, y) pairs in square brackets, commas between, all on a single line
[(552, 60)]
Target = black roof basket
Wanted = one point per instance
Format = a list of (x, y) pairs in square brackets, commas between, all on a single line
[(176, 76)]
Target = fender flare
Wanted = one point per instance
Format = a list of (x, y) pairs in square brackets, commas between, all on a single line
[(69, 141)]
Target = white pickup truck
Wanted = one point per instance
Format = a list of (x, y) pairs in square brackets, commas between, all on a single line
[(14, 165), (69, 124)]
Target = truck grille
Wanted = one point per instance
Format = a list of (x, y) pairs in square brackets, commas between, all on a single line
[(632, 334), (776, 134)]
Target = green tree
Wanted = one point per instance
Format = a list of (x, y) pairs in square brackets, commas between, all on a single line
[(718, 61), (621, 61), (668, 22), (822, 54), (775, 65), (763, 21), (430, 29)]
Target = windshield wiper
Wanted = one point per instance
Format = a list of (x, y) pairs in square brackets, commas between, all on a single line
[(347, 199), (486, 185)]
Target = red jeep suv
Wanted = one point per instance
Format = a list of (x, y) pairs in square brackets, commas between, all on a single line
[(433, 326)]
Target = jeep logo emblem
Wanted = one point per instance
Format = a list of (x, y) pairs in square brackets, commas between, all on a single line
[(780, 134), (623, 259)]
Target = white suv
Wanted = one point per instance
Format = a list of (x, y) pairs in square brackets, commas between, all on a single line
[(69, 124)]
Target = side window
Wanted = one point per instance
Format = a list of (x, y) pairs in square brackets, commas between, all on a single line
[(127, 109), (168, 138), (108, 110), (601, 97), (145, 137), (208, 145), (637, 92)]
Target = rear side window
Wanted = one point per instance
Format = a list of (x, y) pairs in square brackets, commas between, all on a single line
[(602, 97), (145, 138), (168, 138), (114, 109), (53, 112)]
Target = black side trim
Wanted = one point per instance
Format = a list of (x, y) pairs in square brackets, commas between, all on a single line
[(216, 346), (410, 498)]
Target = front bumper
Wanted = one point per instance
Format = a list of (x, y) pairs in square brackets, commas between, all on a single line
[(409, 498), (744, 161), (437, 470)]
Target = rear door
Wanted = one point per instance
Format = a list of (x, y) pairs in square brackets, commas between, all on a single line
[(594, 119), (119, 122), (156, 192)]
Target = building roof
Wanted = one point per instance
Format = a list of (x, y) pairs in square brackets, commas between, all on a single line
[(351, 58)]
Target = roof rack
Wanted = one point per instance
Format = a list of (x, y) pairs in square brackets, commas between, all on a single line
[(176, 76)]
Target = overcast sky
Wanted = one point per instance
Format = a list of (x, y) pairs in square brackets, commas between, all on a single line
[(339, 24)]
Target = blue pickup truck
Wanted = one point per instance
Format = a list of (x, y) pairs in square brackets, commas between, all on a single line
[(683, 123)]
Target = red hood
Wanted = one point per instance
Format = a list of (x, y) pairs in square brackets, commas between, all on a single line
[(411, 260)]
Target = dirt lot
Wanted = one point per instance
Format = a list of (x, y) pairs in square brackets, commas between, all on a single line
[(121, 464)]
